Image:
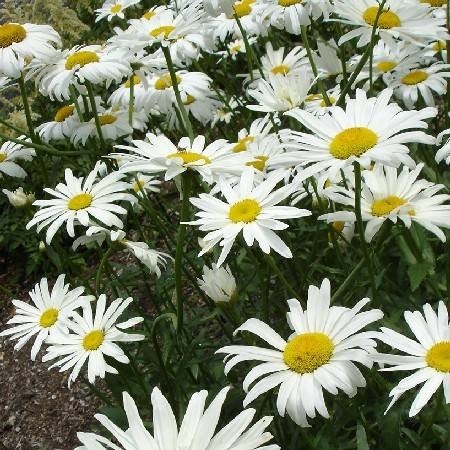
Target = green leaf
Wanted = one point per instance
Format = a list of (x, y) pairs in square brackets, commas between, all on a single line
[(417, 273), (361, 438)]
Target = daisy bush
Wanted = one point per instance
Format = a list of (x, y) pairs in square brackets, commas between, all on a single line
[(232, 217)]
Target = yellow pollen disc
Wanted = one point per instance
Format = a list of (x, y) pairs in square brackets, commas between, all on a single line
[(165, 30), (287, 3), (81, 59), (438, 356), (386, 205), (64, 112), (338, 225), (242, 143), (93, 340), (190, 157), (107, 119), (11, 33), (80, 201), (387, 19), (415, 77), (189, 100), (386, 66), (235, 48), (352, 142), (332, 101), (259, 163), (243, 8), (165, 82), (134, 80), (438, 46), (138, 185), (115, 9), (148, 15), (3, 156), (282, 69), (48, 317), (435, 3), (307, 352), (246, 210)]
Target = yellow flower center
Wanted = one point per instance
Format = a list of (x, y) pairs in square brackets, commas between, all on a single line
[(93, 340), (81, 58), (386, 20), (190, 157), (138, 185), (3, 156), (282, 69), (438, 356), (64, 112), (189, 100), (107, 119), (435, 3), (242, 143), (80, 201), (259, 163), (133, 81), (287, 3), (11, 33), (148, 15), (386, 66), (48, 317), (352, 142), (165, 82), (246, 210), (307, 352), (235, 48), (115, 9), (165, 30), (386, 205), (338, 225), (438, 46), (243, 8), (414, 77), (323, 103)]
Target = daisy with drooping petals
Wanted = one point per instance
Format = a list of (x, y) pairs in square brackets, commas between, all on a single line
[(369, 129), (159, 154), (315, 103), (19, 198), (409, 83), (63, 125), (79, 199), (320, 354), (121, 96), (248, 208), (114, 8), (400, 19), (327, 60), (428, 355), (387, 194), (21, 42), (10, 152), (218, 283), (91, 337), (45, 315), (197, 430)]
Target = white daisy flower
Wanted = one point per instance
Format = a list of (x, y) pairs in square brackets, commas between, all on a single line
[(218, 283), (247, 208), (142, 184), (197, 430), (46, 315), (320, 354), (280, 93), (225, 112), (259, 129), (234, 48), (79, 199), (114, 8), (388, 195), (10, 152), (315, 103), (326, 59), (65, 122), (400, 19), (19, 198), (428, 356), (369, 129), (91, 337), (21, 42), (121, 96), (159, 154), (409, 83)]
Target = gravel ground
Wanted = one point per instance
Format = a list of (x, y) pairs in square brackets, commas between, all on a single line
[(37, 409)]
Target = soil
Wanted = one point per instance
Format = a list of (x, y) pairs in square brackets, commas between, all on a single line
[(37, 409)]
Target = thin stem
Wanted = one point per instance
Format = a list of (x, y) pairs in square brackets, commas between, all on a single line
[(312, 63), (186, 187), (26, 106), (280, 275), (73, 97), (94, 111), (173, 77), (131, 102), (100, 269)]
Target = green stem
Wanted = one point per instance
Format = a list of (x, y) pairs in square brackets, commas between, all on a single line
[(18, 130), (73, 97), (131, 102), (26, 106), (100, 268), (312, 63), (173, 77), (186, 187), (281, 276), (94, 111)]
